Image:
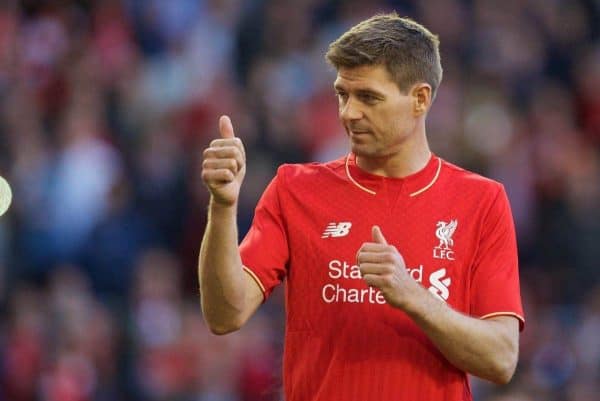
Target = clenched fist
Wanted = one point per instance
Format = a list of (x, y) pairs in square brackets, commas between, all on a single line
[(383, 267), (224, 165)]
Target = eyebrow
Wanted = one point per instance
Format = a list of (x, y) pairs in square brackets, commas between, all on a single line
[(370, 92), (360, 91)]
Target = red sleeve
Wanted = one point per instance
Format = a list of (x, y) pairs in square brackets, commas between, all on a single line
[(264, 250), (495, 280)]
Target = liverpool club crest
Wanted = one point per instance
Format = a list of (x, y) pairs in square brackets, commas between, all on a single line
[(444, 233)]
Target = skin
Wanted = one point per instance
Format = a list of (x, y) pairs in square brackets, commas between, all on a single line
[(386, 130), (228, 296)]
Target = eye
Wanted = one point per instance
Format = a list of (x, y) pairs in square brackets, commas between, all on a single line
[(368, 98), (341, 95)]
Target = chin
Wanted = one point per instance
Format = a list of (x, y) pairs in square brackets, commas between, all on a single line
[(369, 151), (363, 151)]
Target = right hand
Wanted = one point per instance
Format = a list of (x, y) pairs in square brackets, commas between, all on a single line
[(224, 165)]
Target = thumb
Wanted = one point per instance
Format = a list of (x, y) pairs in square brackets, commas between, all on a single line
[(378, 235), (226, 128)]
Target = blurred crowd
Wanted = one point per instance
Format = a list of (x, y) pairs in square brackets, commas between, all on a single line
[(106, 105)]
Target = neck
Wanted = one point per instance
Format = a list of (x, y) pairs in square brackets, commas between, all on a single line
[(410, 157)]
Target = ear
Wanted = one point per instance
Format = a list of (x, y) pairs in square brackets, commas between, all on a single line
[(421, 94)]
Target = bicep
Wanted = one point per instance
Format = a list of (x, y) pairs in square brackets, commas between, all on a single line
[(254, 295), (507, 328)]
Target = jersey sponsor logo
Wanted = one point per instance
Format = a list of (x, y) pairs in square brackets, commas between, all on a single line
[(337, 229), (444, 233), (337, 291), (439, 284)]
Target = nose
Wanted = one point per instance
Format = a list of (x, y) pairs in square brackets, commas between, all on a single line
[(350, 110)]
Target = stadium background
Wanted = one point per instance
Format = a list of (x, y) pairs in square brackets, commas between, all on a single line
[(105, 107)]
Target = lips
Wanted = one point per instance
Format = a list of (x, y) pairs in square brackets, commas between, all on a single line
[(358, 131)]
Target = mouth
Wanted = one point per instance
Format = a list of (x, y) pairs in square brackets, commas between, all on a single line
[(358, 132), (360, 137)]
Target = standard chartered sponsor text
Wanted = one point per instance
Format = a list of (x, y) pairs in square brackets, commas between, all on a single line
[(336, 292)]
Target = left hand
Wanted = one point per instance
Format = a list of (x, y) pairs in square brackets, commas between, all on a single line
[(382, 266)]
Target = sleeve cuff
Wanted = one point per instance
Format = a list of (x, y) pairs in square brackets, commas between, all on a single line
[(520, 318), (257, 280)]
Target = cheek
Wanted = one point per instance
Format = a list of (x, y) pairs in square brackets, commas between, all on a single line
[(394, 129), (394, 122), (401, 118)]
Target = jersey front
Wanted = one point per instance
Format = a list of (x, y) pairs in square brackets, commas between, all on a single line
[(455, 232)]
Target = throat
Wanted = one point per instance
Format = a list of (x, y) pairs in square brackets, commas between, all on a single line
[(395, 166)]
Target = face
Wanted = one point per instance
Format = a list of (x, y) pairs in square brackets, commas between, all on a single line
[(377, 116)]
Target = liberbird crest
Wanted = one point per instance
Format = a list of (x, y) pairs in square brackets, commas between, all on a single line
[(444, 233)]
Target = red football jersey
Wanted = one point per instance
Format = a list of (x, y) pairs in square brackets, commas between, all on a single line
[(455, 231)]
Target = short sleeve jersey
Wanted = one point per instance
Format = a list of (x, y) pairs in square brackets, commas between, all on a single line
[(455, 232)]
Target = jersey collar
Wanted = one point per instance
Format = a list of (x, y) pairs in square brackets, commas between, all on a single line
[(412, 185)]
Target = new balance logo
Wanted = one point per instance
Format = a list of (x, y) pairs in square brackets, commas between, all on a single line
[(337, 229), (439, 287)]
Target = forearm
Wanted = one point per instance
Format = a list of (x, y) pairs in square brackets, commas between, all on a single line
[(485, 348), (220, 271)]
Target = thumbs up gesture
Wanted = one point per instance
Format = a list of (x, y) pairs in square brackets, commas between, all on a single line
[(382, 266), (224, 165)]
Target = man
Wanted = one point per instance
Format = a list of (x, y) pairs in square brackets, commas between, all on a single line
[(401, 269)]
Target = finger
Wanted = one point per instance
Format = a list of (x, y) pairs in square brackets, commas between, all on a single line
[(225, 127), (370, 247), (373, 268), (227, 152), (216, 164), (378, 235), (221, 176), (374, 280), (373, 247), (374, 257), (224, 143)]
